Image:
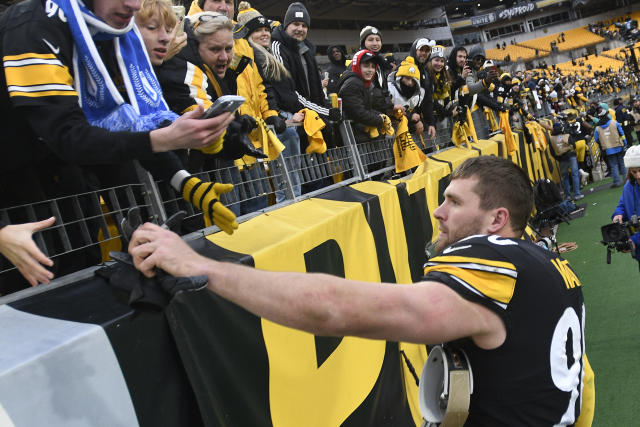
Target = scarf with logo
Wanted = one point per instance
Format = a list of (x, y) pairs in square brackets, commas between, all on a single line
[(100, 100)]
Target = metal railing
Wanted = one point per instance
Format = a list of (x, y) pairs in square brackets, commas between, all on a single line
[(88, 225)]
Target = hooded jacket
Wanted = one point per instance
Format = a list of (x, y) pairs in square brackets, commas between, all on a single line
[(307, 91), (426, 107), (336, 68), (357, 101)]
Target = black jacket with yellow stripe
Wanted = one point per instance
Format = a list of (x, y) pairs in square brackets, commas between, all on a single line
[(188, 82), (39, 102)]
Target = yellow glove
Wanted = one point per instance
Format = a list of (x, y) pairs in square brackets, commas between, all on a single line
[(215, 146), (204, 196), (372, 131), (386, 128)]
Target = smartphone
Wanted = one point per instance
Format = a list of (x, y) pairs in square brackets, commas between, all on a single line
[(179, 11), (224, 104), (180, 29), (469, 63)]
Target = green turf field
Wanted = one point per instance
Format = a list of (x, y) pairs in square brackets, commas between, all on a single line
[(612, 298)]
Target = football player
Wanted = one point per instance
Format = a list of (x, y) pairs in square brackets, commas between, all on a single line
[(516, 309)]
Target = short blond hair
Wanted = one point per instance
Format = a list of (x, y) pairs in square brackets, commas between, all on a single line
[(165, 7), (205, 23)]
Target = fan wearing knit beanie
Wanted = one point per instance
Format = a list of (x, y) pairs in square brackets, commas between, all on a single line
[(371, 39), (405, 89), (357, 96), (297, 15)]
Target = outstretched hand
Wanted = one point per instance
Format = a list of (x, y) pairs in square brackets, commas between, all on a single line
[(153, 247), (16, 243)]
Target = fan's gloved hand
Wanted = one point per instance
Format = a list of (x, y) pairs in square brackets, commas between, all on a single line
[(205, 196), (279, 125), (335, 115), (237, 142)]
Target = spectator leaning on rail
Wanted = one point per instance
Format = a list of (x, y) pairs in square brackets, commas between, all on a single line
[(371, 39), (115, 115), (479, 81), (439, 81), (610, 136), (405, 89), (420, 50), (277, 80), (157, 24), (355, 90), (249, 82), (199, 74), (629, 204)]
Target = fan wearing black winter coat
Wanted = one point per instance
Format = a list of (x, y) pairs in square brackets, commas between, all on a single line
[(338, 58), (355, 89)]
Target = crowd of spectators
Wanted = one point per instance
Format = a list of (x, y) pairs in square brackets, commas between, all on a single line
[(87, 89)]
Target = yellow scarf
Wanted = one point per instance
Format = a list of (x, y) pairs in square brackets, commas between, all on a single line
[(506, 130), (405, 151)]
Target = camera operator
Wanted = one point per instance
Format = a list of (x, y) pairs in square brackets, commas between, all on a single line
[(629, 204), (563, 143)]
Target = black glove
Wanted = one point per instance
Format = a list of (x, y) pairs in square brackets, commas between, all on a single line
[(247, 123), (237, 142), (335, 115), (279, 125)]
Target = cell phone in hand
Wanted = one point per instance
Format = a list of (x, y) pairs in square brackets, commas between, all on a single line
[(180, 29), (179, 11), (224, 104)]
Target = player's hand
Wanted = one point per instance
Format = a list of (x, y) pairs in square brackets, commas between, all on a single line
[(153, 247), (618, 219)]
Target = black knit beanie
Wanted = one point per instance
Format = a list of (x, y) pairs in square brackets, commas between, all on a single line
[(296, 12)]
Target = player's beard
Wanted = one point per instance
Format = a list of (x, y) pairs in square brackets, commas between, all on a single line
[(456, 233)]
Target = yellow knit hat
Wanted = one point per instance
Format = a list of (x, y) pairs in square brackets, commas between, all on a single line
[(408, 68)]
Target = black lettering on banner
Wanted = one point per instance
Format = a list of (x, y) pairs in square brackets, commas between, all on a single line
[(417, 227), (325, 258), (373, 213)]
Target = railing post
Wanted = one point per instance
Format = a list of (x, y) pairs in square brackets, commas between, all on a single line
[(346, 132), (151, 194)]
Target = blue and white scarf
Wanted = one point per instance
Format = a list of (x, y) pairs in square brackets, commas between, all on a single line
[(100, 100)]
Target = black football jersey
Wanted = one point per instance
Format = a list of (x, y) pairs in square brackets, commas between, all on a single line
[(535, 377)]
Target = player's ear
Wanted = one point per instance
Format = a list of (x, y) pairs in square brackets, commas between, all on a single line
[(499, 220)]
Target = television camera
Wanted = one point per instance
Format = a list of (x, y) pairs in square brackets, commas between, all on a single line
[(615, 236)]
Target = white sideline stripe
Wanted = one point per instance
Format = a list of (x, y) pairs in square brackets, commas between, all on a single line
[(66, 371), (32, 61)]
